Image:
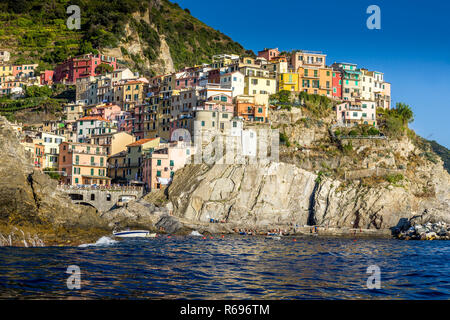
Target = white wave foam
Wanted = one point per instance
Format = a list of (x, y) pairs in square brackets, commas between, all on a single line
[(103, 241), (195, 233)]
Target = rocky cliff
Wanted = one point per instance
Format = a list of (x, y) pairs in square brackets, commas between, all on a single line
[(376, 184), (280, 194), (30, 205)]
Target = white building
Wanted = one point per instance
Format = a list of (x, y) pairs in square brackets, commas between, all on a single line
[(357, 112), (234, 81), (93, 125), (51, 144), (4, 55), (367, 85)]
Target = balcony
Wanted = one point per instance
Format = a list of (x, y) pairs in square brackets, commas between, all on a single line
[(89, 164), (85, 152)]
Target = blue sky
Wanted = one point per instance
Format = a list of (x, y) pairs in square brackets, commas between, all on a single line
[(412, 48)]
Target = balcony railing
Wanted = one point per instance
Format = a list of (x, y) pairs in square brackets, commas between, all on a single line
[(91, 164), (94, 153)]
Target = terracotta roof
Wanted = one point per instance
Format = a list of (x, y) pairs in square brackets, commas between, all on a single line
[(140, 142), (94, 118)]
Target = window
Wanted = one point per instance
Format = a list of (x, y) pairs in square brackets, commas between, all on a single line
[(158, 173), (92, 172), (225, 116), (92, 197), (234, 124), (158, 162), (203, 123), (260, 110), (76, 180), (171, 163)]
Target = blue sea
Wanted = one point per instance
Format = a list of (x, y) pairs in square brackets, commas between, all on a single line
[(233, 267)]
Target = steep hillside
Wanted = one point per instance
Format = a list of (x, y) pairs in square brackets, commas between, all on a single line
[(32, 210), (374, 184), (442, 152), (152, 35)]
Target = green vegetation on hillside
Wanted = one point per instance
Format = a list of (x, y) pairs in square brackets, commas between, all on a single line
[(315, 105), (44, 98), (394, 122), (36, 31), (442, 152)]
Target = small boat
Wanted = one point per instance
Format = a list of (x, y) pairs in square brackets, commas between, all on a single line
[(134, 234)]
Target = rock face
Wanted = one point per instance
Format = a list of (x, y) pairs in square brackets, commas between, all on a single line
[(30, 198), (134, 45), (135, 214), (381, 207), (280, 194), (247, 195)]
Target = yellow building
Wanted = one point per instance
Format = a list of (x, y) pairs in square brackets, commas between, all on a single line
[(150, 110), (129, 94), (288, 81), (135, 157), (83, 164), (6, 72)]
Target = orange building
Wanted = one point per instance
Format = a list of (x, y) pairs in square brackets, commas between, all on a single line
[(252, 108), (39, 155), (314, 80), (83, 164)]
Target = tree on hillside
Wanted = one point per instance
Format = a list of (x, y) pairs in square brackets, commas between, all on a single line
[(36, 91), (104, 68), (404, 112)]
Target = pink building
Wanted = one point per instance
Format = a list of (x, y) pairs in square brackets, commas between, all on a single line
[(356, 112), (108, 111), (24, 70), (269, 54), (160, 166), (81, 66), (46, 77), (125, 121), (187, 78)]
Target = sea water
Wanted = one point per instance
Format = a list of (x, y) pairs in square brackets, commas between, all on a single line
[(231, 267)]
